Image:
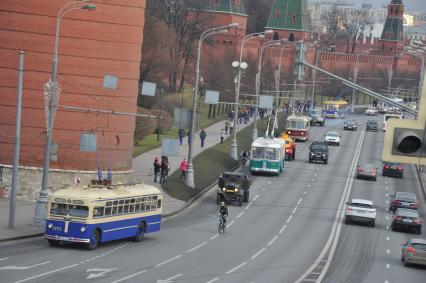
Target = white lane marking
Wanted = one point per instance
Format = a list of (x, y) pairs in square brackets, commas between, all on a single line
[(387, 238), (93, 258), (230, 224), (167, 261), (14, 267), (387, 265), (309, 186), (313, 180), (263, 189), (82, 262), (289, 218), (386, 182), (130, 276), (258, 253), (5, 258), (236, 268), (387, 217), (299, 201), (214, 237), (315, 174), (213, 280), (196, 247), (387, 202), (269, 182), (46, 273), (273, 240), (240, 214), (305, 192), (282, 229), (386, 281), (173, 277), (294, 209), (387, 227), (386, 188), (248, 206), (388, 251), (255, 197)]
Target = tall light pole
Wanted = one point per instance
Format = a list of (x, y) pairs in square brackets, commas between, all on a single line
[(355, 79), (189, 179), (40, 210), (258, 80), (234, 146)]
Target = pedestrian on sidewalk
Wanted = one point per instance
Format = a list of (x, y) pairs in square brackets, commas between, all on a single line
[(165, 167), (189, 137), (157, 169), (203, 136), (183, 167), (181, 136), (221, 135), (226, 126), (231, 128)]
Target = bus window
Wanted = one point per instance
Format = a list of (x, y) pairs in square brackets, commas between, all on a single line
[(98, 211), (71, 210), (114, 210), (257, 153), (271, 154), (137, 207), (120, 209), (108, 211), (159, 203), (126, 209)]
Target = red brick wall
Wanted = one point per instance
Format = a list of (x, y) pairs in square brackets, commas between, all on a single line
[(92, 44)]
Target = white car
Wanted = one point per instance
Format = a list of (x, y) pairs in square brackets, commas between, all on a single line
[(360, 210), (371, 111), (332, 138)]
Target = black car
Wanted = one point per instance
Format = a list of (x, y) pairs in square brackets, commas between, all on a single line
[(407, 219), (393, 169), (318, 151), (403, 200), (371, 125), (233, 187), (350, 126)]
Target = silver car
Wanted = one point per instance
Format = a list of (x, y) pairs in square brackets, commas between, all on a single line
[(414, 252)]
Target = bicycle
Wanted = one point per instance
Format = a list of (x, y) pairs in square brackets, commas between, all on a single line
[(221, 229)]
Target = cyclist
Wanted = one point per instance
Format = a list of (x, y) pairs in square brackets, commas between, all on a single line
[(244, 157), (223, 211)]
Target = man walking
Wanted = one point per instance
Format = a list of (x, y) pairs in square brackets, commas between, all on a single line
[(226, 126), (157, 169), (183, 167), (181, 136), (203, 136), (164, 170), (221, 136)]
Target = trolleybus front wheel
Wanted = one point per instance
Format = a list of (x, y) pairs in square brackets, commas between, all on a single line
[(54, 243), (94, 240)]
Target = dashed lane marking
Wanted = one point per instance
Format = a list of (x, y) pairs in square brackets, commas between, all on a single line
[(236, 268), (387, 227), (255, 197), (294, 209), (269, 182), (387, 217), (289, 218), (46, 273), (248, 206), (130, 276), (299, 201), (388, 251), (258, 253), (167, 261), (5, 258), (213, 280), (273, 240), (387, 265), (282, 229), (230, 224), (309, 186), (305, 192), (214, 237), (173, 277), (196, 247), (387, 238), (240, 214)]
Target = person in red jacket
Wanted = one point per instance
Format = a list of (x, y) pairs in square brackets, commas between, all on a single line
[(183, 167)]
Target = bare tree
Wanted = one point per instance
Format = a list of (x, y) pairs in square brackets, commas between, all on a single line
[(332, 20), (355, 23)]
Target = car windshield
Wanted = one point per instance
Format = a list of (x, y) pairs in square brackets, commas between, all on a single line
[(350, 123), (366, 166), (371, 122), (317, 147), (363, 205), (332, 134), (406, 196)]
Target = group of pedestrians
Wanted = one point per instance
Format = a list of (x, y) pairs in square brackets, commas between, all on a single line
[(161, 169), (181, 133)]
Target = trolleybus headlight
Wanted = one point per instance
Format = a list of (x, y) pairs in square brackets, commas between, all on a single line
[(82, 229), (50, 225), (224, 189)]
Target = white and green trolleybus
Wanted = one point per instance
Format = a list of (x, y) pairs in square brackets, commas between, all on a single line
[(267, 155)]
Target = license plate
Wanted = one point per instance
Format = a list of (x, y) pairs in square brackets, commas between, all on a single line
[(405, 203), (407, 221)]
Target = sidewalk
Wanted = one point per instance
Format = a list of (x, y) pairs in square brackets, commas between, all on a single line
[(421, 171), (142, 166)]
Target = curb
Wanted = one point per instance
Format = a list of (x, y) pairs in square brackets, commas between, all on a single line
[(421, 180), (21, 237)]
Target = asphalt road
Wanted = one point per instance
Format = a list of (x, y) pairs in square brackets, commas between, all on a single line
[(277, 237)]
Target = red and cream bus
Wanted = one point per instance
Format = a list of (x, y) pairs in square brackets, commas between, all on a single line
[(297, 127)]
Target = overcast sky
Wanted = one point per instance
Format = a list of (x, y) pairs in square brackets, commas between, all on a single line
[(412, 5)]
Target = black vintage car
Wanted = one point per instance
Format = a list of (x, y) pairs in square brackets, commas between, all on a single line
[(233, 187), (318, 151)]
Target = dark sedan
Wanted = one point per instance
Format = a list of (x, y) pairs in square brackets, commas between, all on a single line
[(350, 126), (371, 125), (407, 219), (393, 169)]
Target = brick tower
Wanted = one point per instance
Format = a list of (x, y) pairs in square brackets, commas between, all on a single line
[(290, 19), (224, 12), (392, 36)]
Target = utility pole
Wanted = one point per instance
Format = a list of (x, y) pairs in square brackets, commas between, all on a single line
[(17, 143)]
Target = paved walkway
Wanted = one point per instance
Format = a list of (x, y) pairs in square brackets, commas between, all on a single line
[(142, 166)]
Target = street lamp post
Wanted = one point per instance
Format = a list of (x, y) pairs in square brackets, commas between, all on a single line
[(40, 210), (189, 179), (241, 66)]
